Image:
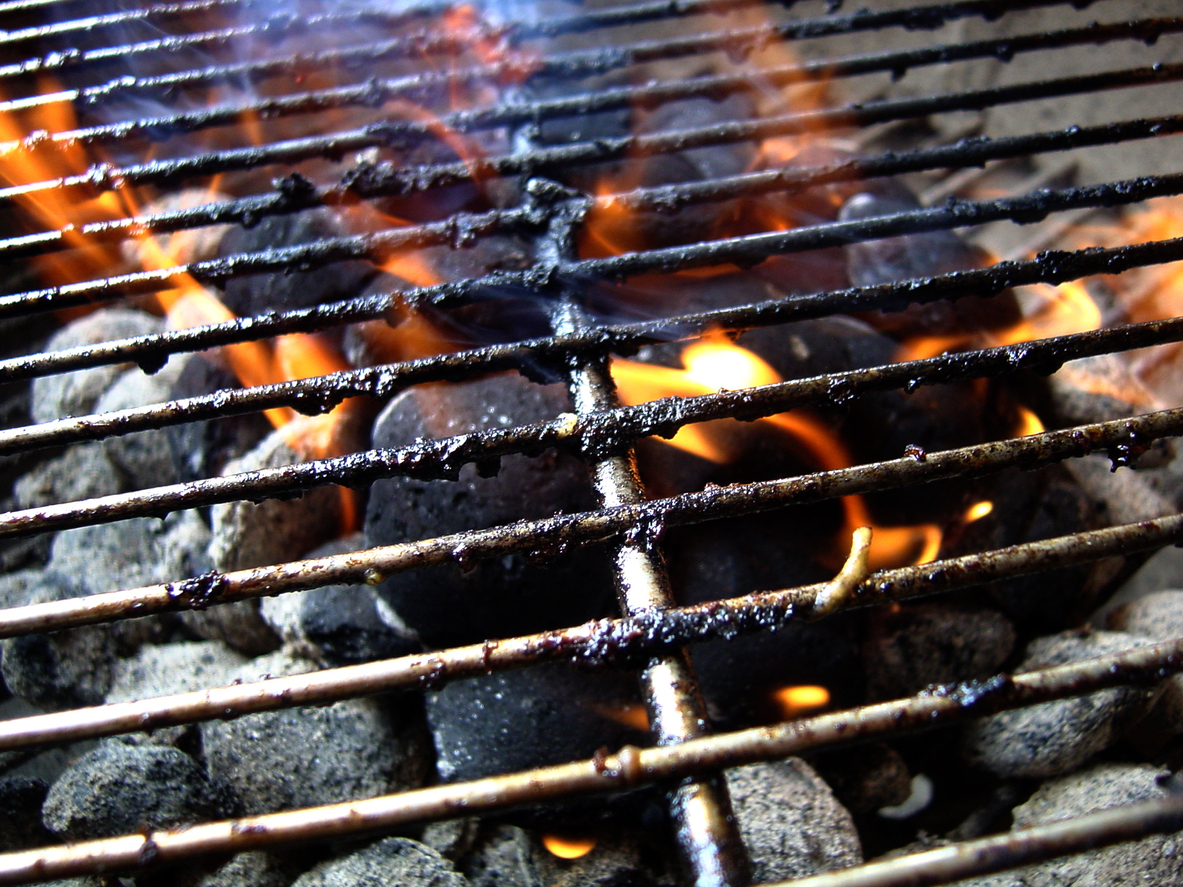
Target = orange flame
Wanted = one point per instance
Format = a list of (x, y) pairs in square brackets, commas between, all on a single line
[(793, 702), (1047, 311), (568, 847), (978, 510), (1029, 424), (713, 364)]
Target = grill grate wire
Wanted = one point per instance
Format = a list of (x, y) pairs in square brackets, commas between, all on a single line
[(651, 633)]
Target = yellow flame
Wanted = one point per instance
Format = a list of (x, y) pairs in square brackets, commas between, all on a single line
[(567, 847), (1029, 423), (978, 510), (795, 701), (713, 364)]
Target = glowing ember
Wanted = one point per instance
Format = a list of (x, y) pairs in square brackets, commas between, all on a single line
[(978, 511), (1047, 311), (796, 701), (633, 716), (1029, 424), (714, 364), (566, 847)]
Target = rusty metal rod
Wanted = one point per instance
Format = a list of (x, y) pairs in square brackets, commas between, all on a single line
[(661, 198), (374, 565), (582, 63), (711, 850), (626, 769), (386, 177), (1041, 843), (151, 352), (321, 393), (545, 277), (376, 90), (593, 436), (626, 640)]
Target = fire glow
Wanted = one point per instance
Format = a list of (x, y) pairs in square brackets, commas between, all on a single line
[(715, 364)]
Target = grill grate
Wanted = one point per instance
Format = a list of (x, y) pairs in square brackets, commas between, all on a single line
[(652, 632)]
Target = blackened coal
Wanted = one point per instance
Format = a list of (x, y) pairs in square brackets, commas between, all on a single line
[(501, 597), (339, 624), (1029, 506), (920, 255), (21, 798), (517, 720), (740, 675), (256, 294)]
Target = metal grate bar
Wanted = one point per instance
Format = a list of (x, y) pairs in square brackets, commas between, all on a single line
[(320, 394), (929, 17), (391, 179), (375, 91), (1030, 845), (628, 768), (712, 851), (965, 152), (608, 641), (91, 24), (744, 250), (437, 459), (576, 63)]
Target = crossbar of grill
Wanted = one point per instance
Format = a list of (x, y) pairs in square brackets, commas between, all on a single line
[(375, 91), (385, 179), (742, 250), (627, 769), (930, 16), (607, 641), (603, 433)]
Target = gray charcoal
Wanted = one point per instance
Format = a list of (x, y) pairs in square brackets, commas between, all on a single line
[(74, 394), (1156, 861), (740, 675), (64, 669), (339, 624), (187, 244), (82, 472), (502, 857), (516, 720), (144, 459), (907, 649), (500, 597), (1099, 388), (202, 449), (256, 869), (109, 557), (392, 861), (120, 788), (184, 552), (1158, 616), (1057, 737), (1029, 506), (307, 756), (791, 822), (165, 669), (618, 859), (20, 813), (245, 534), (290, 289)]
